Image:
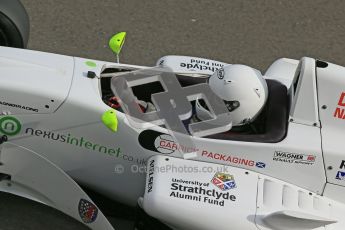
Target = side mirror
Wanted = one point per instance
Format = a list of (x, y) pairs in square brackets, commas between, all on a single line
[(116, 42)]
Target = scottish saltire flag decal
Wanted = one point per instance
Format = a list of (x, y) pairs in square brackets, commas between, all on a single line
[(260, 165), (87, 211), (224, 181)]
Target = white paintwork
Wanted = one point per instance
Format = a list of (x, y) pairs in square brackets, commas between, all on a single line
[(304, 108), (336, 192), (33, 79), (331, 83), (283, 70), (285, 206), (76, 114)]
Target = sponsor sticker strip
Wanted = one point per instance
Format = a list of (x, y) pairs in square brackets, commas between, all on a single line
[(203, 192), (18, 106), (164, 143), (294, 158)]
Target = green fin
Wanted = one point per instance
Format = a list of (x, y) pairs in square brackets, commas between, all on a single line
[(109, 119), (116, 42)]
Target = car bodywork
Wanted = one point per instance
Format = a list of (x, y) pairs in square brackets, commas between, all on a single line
[(51, 114)]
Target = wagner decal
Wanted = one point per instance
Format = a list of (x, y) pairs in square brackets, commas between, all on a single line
[(294, 158), (198, 191), (18, 106), (150, 176)]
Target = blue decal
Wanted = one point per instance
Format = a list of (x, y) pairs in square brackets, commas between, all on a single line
[(260, 165), (340, 175)]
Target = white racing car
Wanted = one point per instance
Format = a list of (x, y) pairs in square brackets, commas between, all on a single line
[(61, 128)]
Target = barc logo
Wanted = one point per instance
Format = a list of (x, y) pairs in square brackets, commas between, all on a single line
[(87, 211), (9, 126)]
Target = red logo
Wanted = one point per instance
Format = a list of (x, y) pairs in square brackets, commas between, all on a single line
[(311, 158), (340, 112)]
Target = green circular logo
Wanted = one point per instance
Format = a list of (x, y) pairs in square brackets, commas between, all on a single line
[(10, 126)]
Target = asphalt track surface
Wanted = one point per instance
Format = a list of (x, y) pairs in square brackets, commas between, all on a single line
[(237, 31)]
